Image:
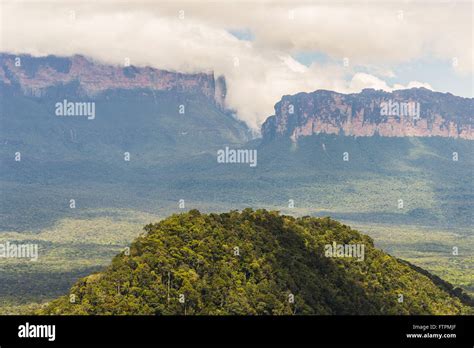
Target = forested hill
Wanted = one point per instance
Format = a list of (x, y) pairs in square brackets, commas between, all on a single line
[(256, 263)]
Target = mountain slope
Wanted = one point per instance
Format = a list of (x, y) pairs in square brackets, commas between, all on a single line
[(152, 114), (253, 262), (137, 114)]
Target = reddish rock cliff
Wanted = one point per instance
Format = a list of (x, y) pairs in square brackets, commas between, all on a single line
[(414, 112), (34, 75)]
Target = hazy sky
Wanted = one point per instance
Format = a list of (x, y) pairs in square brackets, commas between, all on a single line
[(265, 49)]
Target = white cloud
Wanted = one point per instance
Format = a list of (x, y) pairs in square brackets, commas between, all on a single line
[(413, 84), (363, 80)]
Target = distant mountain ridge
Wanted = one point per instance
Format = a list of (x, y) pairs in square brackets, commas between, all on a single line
[(35, 74), (302, 114), (416, 112)]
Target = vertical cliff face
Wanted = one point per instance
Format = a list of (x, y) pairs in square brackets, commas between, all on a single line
[(35, 74), (156, 114), (413, 112)]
